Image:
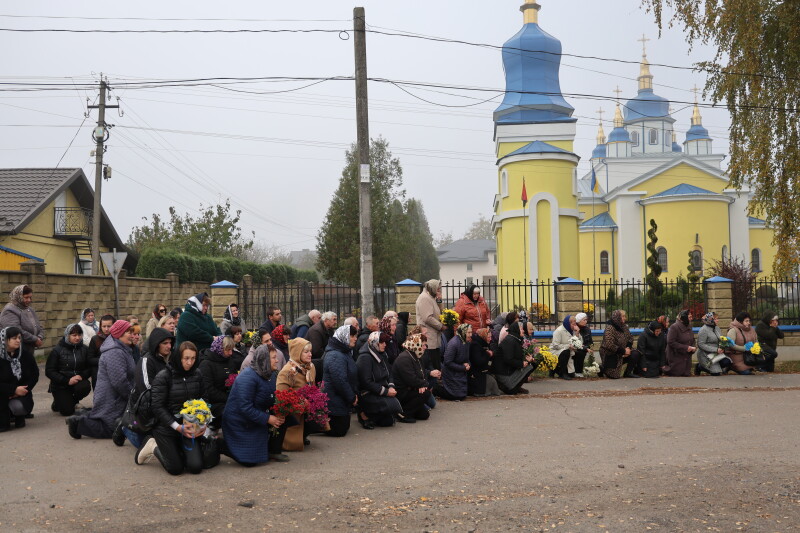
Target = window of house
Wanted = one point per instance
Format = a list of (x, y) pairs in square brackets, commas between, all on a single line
[(667, 138), (83, 266), (697, 261), (755, 260), (662, 258), (604, 263), (469, 267), (495, 259), (635, 138), (653, 136)]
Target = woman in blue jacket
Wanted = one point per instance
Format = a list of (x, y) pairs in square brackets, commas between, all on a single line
[(341, 379), (455, 366)]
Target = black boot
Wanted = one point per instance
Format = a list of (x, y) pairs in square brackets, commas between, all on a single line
[(698, 370), (563, 362)]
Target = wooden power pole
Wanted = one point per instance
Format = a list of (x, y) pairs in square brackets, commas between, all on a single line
[(362, 127)]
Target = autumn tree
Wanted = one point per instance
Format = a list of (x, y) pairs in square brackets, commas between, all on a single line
[(480, 229), (755, 74)]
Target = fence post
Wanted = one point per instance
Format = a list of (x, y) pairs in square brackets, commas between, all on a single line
[(407, 293), (175, 296), (719, 298), (569, 298), (222, 294)]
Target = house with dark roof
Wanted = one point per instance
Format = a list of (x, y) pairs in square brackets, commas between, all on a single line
[(468, 261), (46, 215)]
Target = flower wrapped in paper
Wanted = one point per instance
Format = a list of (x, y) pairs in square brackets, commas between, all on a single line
[(196, 413), (545, 360), (724, 342)]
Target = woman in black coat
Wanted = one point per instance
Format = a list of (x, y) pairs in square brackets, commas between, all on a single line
[(511, 366), (68, 369), (652, 347), (410, 381), (19, 374), (180, 447), (479, 381), (377, 399), (217, 365)]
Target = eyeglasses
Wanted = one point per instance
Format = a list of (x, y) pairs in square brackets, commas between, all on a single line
[(162, 311)]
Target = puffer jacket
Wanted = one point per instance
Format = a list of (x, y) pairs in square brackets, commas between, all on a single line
[(476, 314), (171, 388), (341, 378), (454, 373), (65, 361), (215, 369), (114, 381), (195, 326)]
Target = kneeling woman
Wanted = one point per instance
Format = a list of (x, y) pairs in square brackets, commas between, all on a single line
[(18, 375), (410, 380), (377, 398), (295, 375), (68, 370), (341, 379), (180, 446), (246, 423)]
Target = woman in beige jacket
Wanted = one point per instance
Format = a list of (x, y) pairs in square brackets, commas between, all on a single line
[(428, 312)]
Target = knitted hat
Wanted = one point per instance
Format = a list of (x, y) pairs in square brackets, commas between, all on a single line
[(580, 316), (119, 328)]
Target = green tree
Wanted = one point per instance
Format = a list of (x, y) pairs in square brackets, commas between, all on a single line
[(424, 263), (480, 229), (656, 287), (755, 74), (215, 232)]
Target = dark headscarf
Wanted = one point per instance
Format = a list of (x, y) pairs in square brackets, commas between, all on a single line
[(566, 323), (13, 360), (227, 315), (654, 325), (469, 293), (515, 331), (261, 364), (683, 317)]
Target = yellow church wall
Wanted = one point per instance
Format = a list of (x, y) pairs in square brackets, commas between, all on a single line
[(544, 236), (685, 225), (570, 249), (591, 245), (510, 240), (761, 239), (682, 173), (551, 176)]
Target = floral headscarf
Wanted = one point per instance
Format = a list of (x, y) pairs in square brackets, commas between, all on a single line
[(616, 316), (415, 345), (462, 332), (216, 346), (386, 324), (279, 334), (342, 334), (16, 364), (708, 319), (373, 342), (15, 296)]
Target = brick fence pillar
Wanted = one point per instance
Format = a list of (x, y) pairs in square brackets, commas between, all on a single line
[(407, 293), (569, 298), (719, 298), (223, 293)]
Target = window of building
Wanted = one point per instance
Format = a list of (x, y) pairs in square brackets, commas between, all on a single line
[(697, 261), (724, 252), (653, 136), (83, 266), (495, 259), (662, 258), (504, 183), (635, 138), (469, 267), (604, 263), (755, 260)]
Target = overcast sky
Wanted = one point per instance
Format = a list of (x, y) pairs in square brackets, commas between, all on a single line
[(279, 156)]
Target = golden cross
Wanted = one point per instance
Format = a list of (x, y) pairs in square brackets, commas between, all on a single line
[(695, 90), (618, 91), (644, 40), (600, 112)]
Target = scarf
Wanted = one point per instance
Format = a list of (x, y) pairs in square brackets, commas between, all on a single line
[(66, 334), (566, 324), (228, 315), (683, 317), (470, 293), (261, 364), (93, 324), (372, 343), (386, 325), (296, 347), (462, 332), (616, 319), (414, 345), (196, 302), (16, 364), (342, 334), (708, 320), (216, 346), (15, 296), (432, 286)]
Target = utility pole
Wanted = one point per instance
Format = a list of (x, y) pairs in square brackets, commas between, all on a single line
[(362, 128), (100, 135)]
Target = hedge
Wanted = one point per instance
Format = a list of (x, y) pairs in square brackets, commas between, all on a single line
[(157, 263)]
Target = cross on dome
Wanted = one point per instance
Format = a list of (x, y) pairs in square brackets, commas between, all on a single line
[(644, 40)]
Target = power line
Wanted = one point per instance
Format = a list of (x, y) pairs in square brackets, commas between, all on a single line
[(171, 19)]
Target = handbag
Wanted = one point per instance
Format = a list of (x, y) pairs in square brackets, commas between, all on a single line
[(138, 416), (751, 359)]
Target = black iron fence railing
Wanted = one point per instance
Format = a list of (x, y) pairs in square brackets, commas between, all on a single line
[(73, 222)]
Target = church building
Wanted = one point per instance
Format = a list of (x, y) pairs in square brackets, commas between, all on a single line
[(550, 222)]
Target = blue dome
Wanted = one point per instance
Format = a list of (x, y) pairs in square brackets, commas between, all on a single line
[(676, 147), (599, 151), (646, 105), (533, 91), (697, 133), (619, 135)]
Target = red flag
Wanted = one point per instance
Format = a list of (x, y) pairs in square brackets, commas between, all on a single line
[(524, 193)]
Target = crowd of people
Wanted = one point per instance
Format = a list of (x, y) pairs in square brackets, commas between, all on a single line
[(190, 390)]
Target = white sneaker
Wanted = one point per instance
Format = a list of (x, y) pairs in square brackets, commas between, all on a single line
[(579, 375), (145, 453)]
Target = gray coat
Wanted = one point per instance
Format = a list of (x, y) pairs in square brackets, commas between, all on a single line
[(707, 345), (24, 319), (428, 315), (114, 381)]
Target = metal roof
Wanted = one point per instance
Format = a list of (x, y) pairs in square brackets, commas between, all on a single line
[(684, 189), (603, 220), (466, 250)]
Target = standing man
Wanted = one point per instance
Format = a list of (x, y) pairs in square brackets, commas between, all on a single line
[(319, 333), (274, 317), (19, 313), (304, 323), (428, 312)]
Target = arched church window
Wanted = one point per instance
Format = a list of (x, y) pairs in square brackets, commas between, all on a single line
[(504, 183), (653, 136), (724, 252), (604, 263), (662, 258), (755, 260), (697, 261), (635, 138)]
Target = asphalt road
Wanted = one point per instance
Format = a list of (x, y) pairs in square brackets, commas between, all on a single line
[(689, 454)]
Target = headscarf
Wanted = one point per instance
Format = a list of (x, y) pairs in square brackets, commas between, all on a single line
[(16, 364), (216, 346), (769, 316), (415, 345), (261, 364), (119, 328), (93, 324), (279, 334), (196, 301), (683, 317), (566, 323), (228, 315), (654, 325), (372, 343), (15, 296), (515, 331), (432, 286), (296, 347), (469, 293), (342, 334), (708, 319), (386, 325), (616, 316), (66, 334), (462, 332)]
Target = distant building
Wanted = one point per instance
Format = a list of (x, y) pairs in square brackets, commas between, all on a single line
[(304, 259), (468, 261)]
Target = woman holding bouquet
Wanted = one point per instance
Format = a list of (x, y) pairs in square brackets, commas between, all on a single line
[(585, 333), (711, 356), (247, 421), (296, 374), (740, 333), (181, 445), (566, 340)]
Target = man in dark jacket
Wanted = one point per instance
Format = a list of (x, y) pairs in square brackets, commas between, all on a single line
[(303, 324), (274, 317), (319, 333), (68, 370), (370, 324), (768, 334), (195, 324)]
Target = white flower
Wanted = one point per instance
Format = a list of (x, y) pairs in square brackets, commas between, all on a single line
[(576, 342)]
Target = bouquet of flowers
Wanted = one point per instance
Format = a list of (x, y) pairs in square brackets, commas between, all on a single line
[(196, 414), (247, 337), (230, 379), (449, 318), (545, 360), (591, 368), (287, 403), (576, 342), (725, 342), (316, 405), (753, 347), (529, 347)]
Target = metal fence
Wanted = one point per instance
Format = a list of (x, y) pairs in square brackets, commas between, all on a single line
[(297, 299), (769, 295)]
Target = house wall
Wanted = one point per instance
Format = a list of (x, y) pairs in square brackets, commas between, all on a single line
[(457, 271)]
